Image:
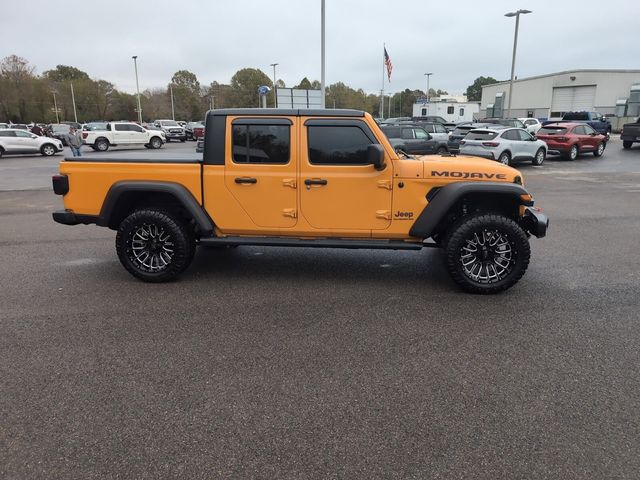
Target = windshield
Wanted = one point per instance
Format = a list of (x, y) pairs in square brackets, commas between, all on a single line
[(461, 131), (169, 123)]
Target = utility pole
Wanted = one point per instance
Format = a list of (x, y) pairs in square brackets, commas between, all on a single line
[(275, 96), (173, 112), (322, 51), (513, 57), (135, 65), (55, 106), (73, 100)]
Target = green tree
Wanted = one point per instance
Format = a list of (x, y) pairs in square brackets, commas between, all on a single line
[(304, 84), (244, 87), (474, 91), (65, 73)]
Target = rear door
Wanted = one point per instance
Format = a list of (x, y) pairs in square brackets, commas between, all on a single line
[(261, 169), (340, 190), (25, 143), (585, 142), (9, 140)]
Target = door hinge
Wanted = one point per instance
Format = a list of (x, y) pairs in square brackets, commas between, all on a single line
[(290, 212), (384, 214), (289, 182), (385, 184)]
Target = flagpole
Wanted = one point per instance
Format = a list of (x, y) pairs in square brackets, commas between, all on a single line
[(382, 91)]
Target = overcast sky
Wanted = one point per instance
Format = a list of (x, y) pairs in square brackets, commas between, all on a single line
[(456, 40)]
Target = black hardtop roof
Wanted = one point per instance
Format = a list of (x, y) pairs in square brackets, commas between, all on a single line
[(290, 112)]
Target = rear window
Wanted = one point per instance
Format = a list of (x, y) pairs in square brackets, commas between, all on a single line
[(576, 116), (552, 131), (481, 135), (461, 131)]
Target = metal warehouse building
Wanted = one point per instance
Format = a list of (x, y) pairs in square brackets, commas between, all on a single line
[(615, 92)]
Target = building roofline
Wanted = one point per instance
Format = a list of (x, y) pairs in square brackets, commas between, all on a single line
[(565, 72)]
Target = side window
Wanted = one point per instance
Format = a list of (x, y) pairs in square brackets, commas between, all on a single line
[(424, 112), (337, 145), (261, 144), (588, 130), (407, 133), (440, 128), (135, 128), (22, 134), (420, 133), (510, 135), (524, 135), (120, 127), (450, 110), (579, 130), (7, 134), (462, 112)]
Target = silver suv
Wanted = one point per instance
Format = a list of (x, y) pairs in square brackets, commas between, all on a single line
[(506, 146)]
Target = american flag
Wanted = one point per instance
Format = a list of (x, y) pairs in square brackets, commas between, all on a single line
[(387, 62)]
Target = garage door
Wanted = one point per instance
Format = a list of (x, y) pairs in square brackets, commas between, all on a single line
[(573, 99)]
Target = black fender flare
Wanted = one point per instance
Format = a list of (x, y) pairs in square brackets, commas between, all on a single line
[(179, 192), (447, 196)]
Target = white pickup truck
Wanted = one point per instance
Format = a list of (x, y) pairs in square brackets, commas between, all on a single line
[(123, 133)]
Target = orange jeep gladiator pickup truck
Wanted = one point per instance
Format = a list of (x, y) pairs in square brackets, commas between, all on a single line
[(305, 178)]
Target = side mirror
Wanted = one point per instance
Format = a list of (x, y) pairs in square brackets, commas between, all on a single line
[(34, 136), (534, 137), (375, 156)]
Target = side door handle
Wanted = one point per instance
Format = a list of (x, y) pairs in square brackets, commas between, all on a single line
[(315, 181), (246, 180)]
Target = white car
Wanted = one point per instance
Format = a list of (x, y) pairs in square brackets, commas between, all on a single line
[(122, 133), (14, 140), (172, 130), (531, 124), (506, 146)]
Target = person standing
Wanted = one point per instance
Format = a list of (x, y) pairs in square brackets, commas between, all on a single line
[(36, 130), (74, 140)]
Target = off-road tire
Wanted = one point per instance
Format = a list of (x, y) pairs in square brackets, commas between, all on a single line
[(626, 144), (510, 235), (101, 144), (539, 157), (505, 158), (573, 153), (165, 234), (155, 143), (600, 150)]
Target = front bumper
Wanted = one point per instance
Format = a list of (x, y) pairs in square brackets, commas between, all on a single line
[(535, 222)]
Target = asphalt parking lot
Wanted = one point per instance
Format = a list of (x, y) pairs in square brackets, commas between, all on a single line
[(302, 363)]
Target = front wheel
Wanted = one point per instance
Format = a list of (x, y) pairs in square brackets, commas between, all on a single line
[(154, 245), (486, 253), (155, 143), (600, 150), (539, 158), (47, 150), (626, 144)]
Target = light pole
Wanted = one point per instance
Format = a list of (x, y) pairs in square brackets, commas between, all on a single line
[(513, 58), (275, 97), (73, 100), (135, 65), (322, 54), (428, 75)]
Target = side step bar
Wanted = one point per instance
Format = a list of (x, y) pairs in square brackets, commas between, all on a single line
[(320, 243)]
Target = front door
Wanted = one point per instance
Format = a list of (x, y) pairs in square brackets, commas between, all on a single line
[(339, 190), (260, 170)]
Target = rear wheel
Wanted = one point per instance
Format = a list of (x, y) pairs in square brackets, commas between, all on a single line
[(441, 151), (600, 150), (154, 245), (573, 153), (486, 253), (1, 151), (539, 158), (505, 158), (102, 144), (626, 144), (183, 140), (47, 150)]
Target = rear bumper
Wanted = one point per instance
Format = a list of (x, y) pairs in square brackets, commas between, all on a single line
[(68, 217), (535, 222), (477, 153)]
